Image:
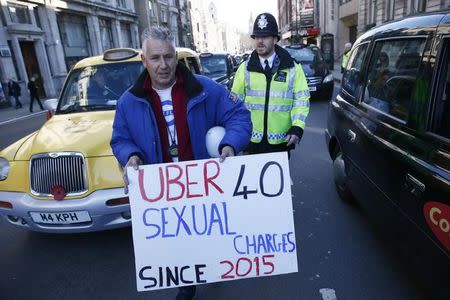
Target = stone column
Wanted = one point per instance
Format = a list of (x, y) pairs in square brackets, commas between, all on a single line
[(116, 33), (44, 68), (94, 34)]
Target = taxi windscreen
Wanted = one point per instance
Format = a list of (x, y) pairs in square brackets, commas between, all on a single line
[(97, 87)]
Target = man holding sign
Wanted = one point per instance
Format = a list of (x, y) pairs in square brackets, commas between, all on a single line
[(165, 115)]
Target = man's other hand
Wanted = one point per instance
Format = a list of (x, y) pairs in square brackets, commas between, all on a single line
[(292, 139), (226, 151), (134, 161)]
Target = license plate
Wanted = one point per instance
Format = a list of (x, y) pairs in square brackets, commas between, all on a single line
[(312, 89), (69, 217)]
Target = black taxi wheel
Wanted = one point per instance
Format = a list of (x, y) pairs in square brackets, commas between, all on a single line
[(340, 179)]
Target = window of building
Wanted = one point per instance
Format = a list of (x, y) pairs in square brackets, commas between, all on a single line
[(390, 10), (332, 9), (372, 12), (106, 33), (418, 6), (36, 16), (74, 38), (121, 3), (19, 13), (163, 15), (351, 81), (150, 8), (125, 30), (441, 120), (392, 83)]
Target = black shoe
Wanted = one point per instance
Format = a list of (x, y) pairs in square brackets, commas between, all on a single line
[(186, 293)]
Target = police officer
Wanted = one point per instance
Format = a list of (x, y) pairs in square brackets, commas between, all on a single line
[(346, 56), (274, 89)]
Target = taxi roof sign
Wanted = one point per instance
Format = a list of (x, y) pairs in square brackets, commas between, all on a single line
[(119, 54)]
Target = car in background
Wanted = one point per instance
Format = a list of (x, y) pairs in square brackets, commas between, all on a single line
[(64, 177), (319, 78), (388, 136), (220, 67), (238, 59)]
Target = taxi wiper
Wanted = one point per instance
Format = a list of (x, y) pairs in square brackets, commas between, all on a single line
[(99, 106), (71, 109)]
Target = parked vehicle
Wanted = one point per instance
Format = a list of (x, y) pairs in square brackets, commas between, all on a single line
[(319, 78), (220, 67), (64, 177), (389, 138)]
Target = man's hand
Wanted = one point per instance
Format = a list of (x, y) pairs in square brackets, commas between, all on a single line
[(292, 139), (134, 161), (226, 151)]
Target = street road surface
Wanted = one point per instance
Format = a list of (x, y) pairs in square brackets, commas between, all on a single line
[(339, 252)]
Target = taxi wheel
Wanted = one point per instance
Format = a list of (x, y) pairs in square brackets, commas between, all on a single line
[(340, 179)]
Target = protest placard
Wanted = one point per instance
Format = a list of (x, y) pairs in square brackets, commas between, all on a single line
[(203, 221)]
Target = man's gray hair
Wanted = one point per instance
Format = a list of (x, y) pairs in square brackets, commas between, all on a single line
[(157, 33)]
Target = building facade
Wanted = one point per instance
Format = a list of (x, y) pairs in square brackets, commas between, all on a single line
[(173, 14), (342, 21), (45, 38), (212, 35)]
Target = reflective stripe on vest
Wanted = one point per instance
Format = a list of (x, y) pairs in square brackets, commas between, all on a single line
[(280, 107), (251, 106)]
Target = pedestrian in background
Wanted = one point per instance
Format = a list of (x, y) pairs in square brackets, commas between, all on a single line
[(346, 56), (166, 114), (274, 89), (33, 93), (15, 91)]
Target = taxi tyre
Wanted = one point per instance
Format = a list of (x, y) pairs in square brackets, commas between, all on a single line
[(340, 179), (328, 94)]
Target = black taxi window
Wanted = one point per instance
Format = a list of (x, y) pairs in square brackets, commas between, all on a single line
[(97, 87), (351, 80), (441, 122), (394, 82)]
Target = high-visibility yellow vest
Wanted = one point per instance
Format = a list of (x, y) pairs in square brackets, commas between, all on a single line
[(345, 59), (288, 103)]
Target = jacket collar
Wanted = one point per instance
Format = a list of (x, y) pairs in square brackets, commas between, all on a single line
[(285, 59), (191, 85)]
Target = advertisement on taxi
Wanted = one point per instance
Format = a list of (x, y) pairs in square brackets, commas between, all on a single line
[(203, 221)]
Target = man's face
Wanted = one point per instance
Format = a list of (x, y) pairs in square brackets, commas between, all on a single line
[(160, 61), (265, 45)]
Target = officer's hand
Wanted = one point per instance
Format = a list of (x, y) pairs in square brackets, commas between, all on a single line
[(226, 151), (292, 139), (134, 161)]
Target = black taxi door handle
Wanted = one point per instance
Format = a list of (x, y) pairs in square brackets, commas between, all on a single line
[(351, 135), (414, 186)]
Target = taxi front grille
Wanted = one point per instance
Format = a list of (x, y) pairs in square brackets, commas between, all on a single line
[(55, 170)]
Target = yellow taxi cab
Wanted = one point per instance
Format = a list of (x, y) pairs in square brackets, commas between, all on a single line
[(64, 178)]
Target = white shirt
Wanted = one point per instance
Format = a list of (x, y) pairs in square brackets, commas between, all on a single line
[(269, 60), (167, 108)]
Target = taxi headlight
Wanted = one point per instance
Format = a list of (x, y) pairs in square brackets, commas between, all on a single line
[(4, 168), (328, 78)]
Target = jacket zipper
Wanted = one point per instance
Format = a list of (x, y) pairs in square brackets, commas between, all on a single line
[(266, 108)]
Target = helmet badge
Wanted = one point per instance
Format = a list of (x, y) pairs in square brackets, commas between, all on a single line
[(262, 22)]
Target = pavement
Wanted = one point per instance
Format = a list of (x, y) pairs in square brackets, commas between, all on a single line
[(11, 114)]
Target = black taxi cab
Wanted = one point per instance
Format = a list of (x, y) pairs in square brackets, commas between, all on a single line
[(389, 137)]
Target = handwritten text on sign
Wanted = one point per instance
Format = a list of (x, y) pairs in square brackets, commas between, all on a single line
[(203, 221)]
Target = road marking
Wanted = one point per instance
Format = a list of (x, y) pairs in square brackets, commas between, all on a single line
[(23, 117), (328, 294)]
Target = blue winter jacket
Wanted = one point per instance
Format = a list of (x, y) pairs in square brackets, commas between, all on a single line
[(209, 104)]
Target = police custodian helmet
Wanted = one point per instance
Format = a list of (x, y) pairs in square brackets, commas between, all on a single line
[(265, 25)]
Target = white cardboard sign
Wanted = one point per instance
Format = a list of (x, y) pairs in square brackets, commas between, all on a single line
[(203, 221)]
